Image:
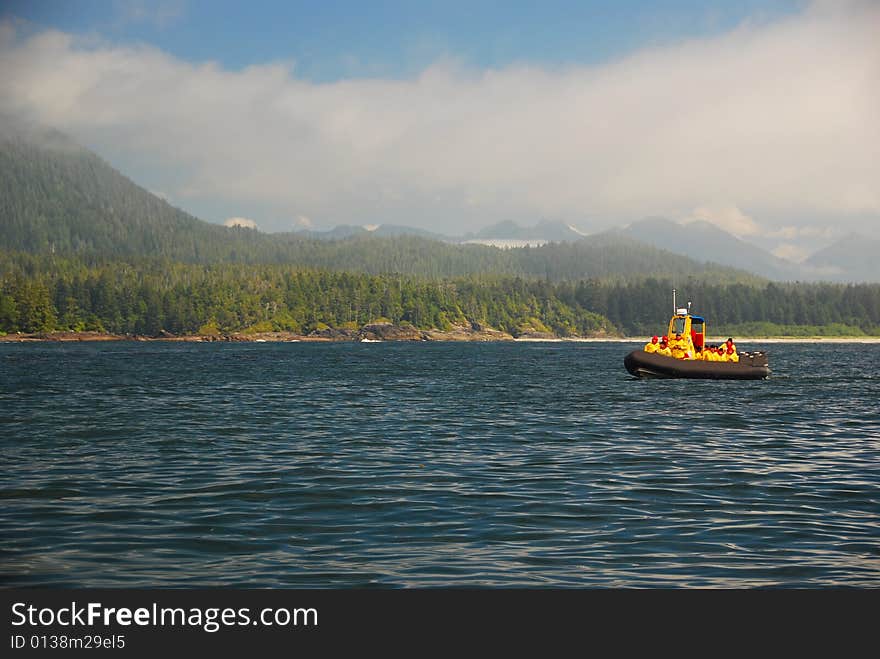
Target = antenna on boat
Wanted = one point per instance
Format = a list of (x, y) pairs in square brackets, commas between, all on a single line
[(674, 307), (689, 307)]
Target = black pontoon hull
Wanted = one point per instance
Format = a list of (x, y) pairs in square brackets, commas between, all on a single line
[(751, 366)]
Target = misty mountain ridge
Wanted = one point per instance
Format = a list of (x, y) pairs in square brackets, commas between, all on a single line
[(345, 231), (707, 242), (699, 240), (545, 231), (854, 256), (847, 260), (58, 195)]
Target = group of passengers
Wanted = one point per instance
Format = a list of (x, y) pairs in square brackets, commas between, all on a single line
[(683, 348)]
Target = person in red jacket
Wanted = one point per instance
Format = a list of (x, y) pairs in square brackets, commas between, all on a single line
[(730, 354)]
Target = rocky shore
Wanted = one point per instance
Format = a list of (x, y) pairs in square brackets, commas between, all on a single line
[(369, 332), (387, 332)]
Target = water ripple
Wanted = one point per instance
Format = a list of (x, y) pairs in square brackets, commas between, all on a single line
[(396, 465)]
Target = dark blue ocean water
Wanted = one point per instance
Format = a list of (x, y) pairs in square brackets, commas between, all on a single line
[(409, 465)]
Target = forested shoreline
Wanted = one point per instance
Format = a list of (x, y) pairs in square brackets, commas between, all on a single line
[(45, 293)]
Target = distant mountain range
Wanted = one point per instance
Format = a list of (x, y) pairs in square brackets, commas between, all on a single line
[(853, 257), (57, 196), (707, 242), (544, 231), (344, 231), (850, 259)]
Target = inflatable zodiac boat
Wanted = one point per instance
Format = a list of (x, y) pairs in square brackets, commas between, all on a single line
[(751, 366), (642, 364)]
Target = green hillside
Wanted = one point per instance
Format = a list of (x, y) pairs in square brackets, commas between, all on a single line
[(56, 196)]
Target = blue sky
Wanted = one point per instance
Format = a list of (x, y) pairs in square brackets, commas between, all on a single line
[(759, 117), (332, 39)]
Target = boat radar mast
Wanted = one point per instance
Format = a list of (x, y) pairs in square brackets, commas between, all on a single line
[(680, 312)]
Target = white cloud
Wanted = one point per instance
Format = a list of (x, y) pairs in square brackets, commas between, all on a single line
[(790, 252), (729, 218), (240, 222), (303, 222), (779, 119), (793, 232)]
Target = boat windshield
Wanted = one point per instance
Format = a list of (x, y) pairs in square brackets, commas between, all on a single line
[(678, 325)]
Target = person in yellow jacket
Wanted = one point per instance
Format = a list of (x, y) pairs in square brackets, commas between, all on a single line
[(663, 348), (652, 346), (681, 348)]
